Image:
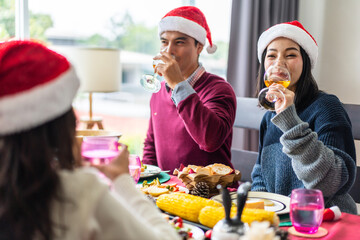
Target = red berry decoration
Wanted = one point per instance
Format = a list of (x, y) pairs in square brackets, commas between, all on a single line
[(208, 234)]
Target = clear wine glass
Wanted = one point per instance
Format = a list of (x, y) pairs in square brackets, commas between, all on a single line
[(276, 73), (151, 82)]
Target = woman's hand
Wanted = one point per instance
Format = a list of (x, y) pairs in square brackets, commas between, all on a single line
[(118, 166), (289, 97)]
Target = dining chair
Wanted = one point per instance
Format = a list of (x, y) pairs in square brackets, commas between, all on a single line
[(353, 111), (248, 116)]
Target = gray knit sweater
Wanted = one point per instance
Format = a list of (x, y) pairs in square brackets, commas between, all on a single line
[(311, 149)]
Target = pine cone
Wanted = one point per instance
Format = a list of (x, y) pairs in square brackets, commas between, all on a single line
[(201, 189)]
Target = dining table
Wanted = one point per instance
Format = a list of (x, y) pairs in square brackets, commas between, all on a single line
[(345, 228)]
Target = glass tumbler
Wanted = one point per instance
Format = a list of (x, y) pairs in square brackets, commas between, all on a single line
[(306, 210), (99, 150), (135, 167)]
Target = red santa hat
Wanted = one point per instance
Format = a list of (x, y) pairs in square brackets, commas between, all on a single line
[(294, 31), (37, 85), (190, 21)]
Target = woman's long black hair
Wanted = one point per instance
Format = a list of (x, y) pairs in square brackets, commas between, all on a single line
[(306, 88), (28, 176)]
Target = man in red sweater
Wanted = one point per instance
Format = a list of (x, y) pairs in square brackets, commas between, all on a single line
[(193, 114)]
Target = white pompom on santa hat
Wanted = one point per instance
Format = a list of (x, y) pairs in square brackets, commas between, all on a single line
[(332, 214), (37, 85), (293, 30), (190, 21)]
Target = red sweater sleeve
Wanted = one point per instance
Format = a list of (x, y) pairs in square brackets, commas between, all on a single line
[(209, 117)]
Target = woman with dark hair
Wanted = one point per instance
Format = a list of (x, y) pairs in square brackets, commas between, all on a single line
[(44, 194), (307, 142)]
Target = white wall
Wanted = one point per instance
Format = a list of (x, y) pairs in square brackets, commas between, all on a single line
[(335, 24)]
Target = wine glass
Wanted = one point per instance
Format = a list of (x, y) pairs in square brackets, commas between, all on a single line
[(276, 73), (150, 82), (306, 210)]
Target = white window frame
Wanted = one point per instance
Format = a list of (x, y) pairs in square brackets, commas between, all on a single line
[(22, 19)]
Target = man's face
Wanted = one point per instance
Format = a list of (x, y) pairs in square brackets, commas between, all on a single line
[(183, 48)]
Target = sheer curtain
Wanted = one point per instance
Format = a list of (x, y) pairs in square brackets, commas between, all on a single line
[(249, 18)]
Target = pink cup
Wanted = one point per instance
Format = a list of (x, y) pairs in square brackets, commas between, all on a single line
[(135, 167), (99, 150), (306, 210)]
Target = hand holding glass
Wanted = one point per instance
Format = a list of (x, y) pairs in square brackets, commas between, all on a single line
[(306, 210), (151, 83), (102, 150), (276, 73)]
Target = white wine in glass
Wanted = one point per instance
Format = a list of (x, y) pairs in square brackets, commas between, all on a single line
[(150, 82), (276, 73)]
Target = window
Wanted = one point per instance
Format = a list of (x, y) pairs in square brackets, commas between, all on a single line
[(130, 26), (7, 19)]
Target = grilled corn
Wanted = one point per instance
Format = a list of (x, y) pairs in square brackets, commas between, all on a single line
[(210, 215), (184, 205)]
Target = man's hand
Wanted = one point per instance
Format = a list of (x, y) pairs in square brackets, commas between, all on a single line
[(170, 69)]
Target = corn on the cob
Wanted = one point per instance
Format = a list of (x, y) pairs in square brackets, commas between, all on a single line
[(210, 215), (184, 205)]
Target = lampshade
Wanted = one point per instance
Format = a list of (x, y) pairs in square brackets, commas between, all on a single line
[(99, 69)]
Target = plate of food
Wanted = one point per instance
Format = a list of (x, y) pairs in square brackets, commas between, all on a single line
[(155, 188), (196, 232), (187, 230), (268, 201), (149, 170)]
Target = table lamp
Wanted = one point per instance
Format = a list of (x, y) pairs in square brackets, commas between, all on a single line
[(99, 70)]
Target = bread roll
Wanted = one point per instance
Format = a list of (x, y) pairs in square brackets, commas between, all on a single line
[(219, 168), (203, 170)]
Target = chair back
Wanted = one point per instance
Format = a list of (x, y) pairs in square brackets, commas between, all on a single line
[(248, 116), (353, 111)]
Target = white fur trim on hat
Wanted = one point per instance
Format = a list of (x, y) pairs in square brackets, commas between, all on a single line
[(38, 105), (183, 25), (292, 32)]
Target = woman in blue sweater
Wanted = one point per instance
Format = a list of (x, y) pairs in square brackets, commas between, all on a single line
[(307, 143)]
